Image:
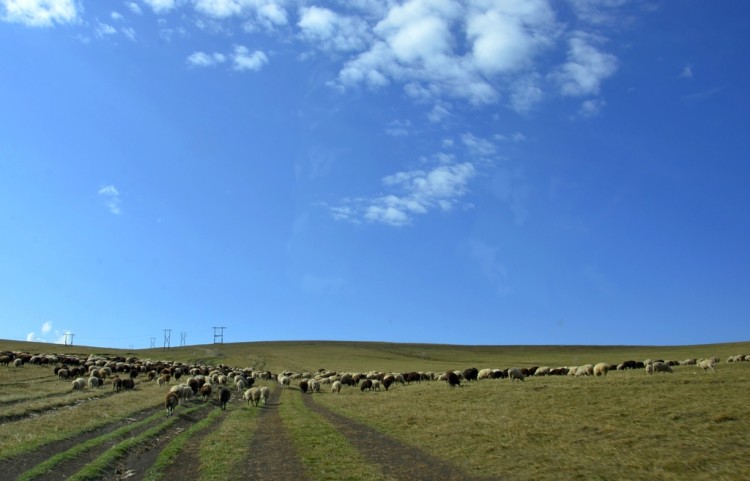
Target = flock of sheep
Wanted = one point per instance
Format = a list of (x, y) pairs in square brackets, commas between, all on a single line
[(203, 380)]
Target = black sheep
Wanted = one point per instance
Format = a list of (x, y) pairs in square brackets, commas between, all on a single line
[(452, 379), (224, 395)]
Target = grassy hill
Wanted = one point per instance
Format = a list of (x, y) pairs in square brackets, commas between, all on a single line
[(363, 356)]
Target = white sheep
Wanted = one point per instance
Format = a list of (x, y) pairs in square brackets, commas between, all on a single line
[(265, 393), (601, 369), (314, 385), (336, 387), (252, 395), (183, 392), (239, 381), (706, 364), (285, 381), (585, 370), (79, 384), (94, 382)]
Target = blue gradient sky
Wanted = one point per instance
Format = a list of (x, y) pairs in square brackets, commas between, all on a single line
[(438, 171)]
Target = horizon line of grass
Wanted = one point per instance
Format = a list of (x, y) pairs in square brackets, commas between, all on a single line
[(97, 468)]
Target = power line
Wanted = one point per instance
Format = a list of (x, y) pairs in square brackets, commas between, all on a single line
[(69, 342), (167, 338), (183, 335), (219, 335)]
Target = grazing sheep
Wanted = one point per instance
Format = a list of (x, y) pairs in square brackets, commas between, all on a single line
[(285, 381), (303, 386), (601, 369), (63, 374), (116, 384), (128, 384), (471, 374), (366, 385), (658, 367), (485, 373), (515, 373), (224, 395), (542, 371), (79, 384), (585, 370), (171, 402), (706, 364), (315, 386), (452, 379), (336, 387), (94, 382), (253, 396), (265, 393), (183, 391), (205, 391)]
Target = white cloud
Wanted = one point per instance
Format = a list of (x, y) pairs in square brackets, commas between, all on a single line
[(586, 67), (116, 16), (40, 13), (478, 146), (411, 193), (203, 59), (104, 29), (591, 108), (244, 60), (218, 8), (686, 72), (46, 327), (128, 32), (158, 6), (398, 128), (112, 198), (134, 7), (328, 30)]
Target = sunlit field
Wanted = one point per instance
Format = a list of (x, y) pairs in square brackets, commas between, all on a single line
[(684, 425)]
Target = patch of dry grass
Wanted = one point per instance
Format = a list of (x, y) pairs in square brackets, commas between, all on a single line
[(689, 425)]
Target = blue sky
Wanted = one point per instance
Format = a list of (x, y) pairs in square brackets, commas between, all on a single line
[(438, 171)]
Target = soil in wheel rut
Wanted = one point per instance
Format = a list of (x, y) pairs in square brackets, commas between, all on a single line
[(272, 454)]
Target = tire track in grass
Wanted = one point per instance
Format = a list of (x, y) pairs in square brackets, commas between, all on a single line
[(396, 459), (26, 461), (272, 453)]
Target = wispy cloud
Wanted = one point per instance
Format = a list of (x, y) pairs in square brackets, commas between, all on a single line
[(111, 198), (203, 59), (46, 329), (686, 72), (408, 194), (40, 13)]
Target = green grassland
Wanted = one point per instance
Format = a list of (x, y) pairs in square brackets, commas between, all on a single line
[(689, 425)]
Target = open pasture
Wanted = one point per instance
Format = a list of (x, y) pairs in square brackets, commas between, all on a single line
[(688, 424)]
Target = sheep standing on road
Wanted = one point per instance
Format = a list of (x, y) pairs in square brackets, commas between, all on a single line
[(253, 396), (265, 393), (224, 395), (171, 402)]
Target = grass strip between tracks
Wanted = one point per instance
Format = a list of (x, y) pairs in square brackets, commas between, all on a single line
[(169, 454), (97, 468), (325, 452), (77, 450)]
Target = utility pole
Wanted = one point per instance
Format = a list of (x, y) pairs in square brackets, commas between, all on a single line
[(167, 338), (219, 335), (67, 341), (183, 335), (153, 343)]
